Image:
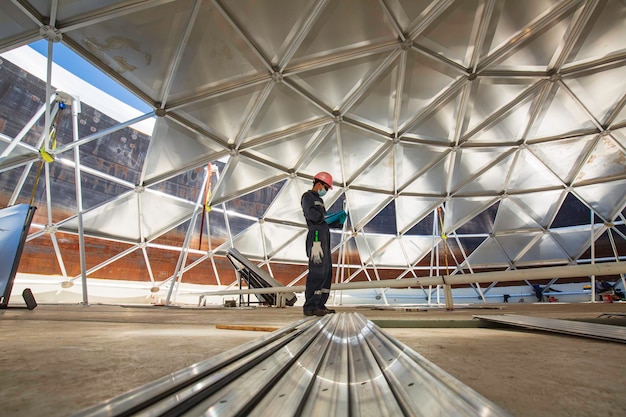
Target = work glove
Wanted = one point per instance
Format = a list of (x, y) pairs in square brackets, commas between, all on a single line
[(340, 217), (316, 251)]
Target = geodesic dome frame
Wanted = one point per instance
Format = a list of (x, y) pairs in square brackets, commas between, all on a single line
[(463, 136)]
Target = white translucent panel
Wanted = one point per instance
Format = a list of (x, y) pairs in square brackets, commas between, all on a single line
[(174, 147), (378, 175), (541, 206), (574, 240), (273, 36), (432, 181), (439, 124), (487, 255), (544, 251), (391, 255), (417, 247), (460, 210), (492, 180), (563, 116), (13, 22), (410, 159), (423, 79), (369, 243), (286, 205), (511, 17), (223, 114), (243, 175), (513, 244), (225, 57), (488, 95), (121, 218), (530, 173), (538, 52), (450, 35), (378, 103), (333, 84), (283, 109), (507, 128), (338, 28), (469, 161), (160, 212), (620, 135), (606, 32), (295, 251), (141, 59), (363, 205), (357, 147), (279, 236), (285, 151), (599, 91), (512, 217), (607, 159), (563, 156), (326, 157), (410, 210), (250, 242), (607, 199)]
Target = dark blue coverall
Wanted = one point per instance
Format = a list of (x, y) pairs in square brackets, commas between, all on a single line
[(320, 274)]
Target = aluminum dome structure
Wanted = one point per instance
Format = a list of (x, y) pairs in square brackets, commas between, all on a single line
[(462, 136)]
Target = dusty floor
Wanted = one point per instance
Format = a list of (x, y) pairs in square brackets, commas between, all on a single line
[(57, 360)]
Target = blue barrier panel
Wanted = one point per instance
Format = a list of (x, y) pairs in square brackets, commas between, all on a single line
[(14, 224)]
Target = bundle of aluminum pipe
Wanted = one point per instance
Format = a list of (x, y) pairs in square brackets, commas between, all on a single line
[(337, 365)]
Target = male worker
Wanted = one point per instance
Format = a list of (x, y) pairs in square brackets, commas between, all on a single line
[(318, 245)]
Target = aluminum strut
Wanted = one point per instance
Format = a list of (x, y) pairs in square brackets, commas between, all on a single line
[(576, 328), (337, 365)]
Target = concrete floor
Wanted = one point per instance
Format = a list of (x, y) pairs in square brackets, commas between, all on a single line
[(57, 360)]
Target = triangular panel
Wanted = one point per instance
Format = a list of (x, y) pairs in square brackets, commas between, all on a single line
[(460, 210), (368, 244), (392, 255), (491, 181), (507, 128), (432, 181), (282, 110), (410, 210), (377, 104), (333, 84), (191, 148), (530, 173), (511, 217), (212, 36), (546, 251), (607, 199), (286, 206), (243, 175), (541, 206), (450, 35), (222, 114), (488, 254), (574, 240), (563, 156), (378, 175), (563, 116), (600, 91), (358, 146), (416, 247), (363, 205), (514, 244), (412, 159), (607, 160), (470, 161)]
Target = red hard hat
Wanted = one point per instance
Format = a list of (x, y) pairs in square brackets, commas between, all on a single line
[(325, 177)]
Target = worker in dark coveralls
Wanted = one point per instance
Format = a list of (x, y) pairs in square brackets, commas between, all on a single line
[(319, 223)]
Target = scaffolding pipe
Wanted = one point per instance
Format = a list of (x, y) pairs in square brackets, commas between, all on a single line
[(568, 271)]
